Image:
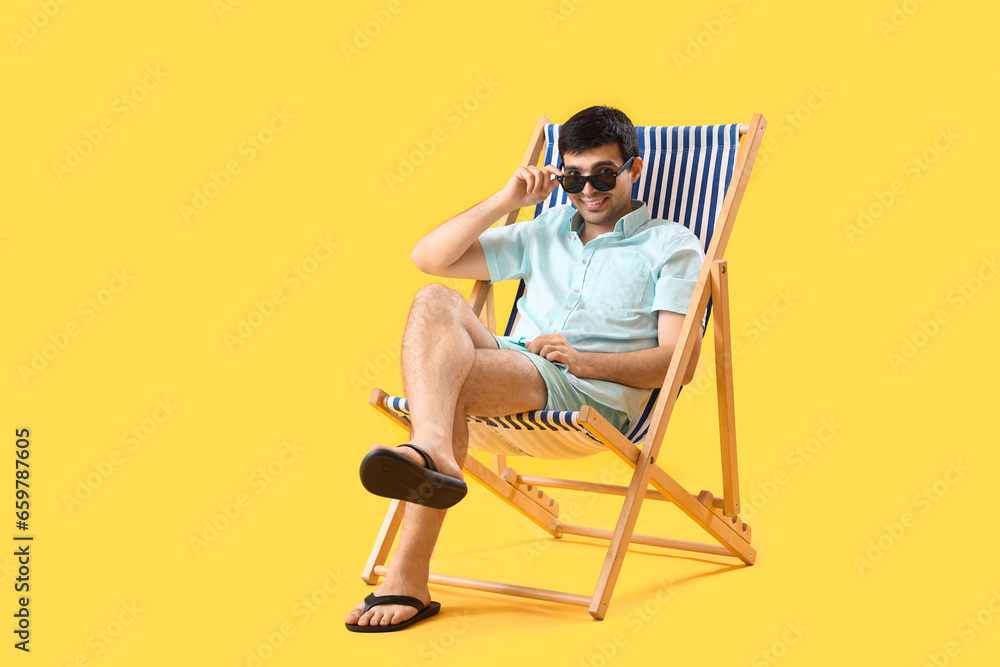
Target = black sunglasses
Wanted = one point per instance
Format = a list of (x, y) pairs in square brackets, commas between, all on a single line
[(604, 181)]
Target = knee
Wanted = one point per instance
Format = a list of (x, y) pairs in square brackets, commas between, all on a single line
[(436, 297)]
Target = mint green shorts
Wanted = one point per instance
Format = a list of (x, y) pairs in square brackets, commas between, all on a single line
[(563, 394)]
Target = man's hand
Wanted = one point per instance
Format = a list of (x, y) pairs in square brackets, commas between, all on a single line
[(530, 185), (555, 347), (452, 249), (645, 368)]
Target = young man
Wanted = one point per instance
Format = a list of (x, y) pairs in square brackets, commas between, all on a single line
[(607, 289)]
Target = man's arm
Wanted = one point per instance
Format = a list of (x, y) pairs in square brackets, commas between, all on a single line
[(643, 368), (451, 249)]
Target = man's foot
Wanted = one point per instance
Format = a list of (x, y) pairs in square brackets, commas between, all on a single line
[(396, 472), (389, 614), (444, 460)]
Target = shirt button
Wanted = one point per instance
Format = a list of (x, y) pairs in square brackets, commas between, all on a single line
[(567, 307), (583, 261), (576, 291)]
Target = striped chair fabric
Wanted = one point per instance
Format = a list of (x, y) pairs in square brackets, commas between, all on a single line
[(686, 171), (545, 434)]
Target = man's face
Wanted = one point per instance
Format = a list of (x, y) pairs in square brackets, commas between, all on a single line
[(597, 207)]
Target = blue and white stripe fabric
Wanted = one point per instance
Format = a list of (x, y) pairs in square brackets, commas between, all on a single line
[(547, 434)]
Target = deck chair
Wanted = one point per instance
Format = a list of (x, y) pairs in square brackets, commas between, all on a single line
[(694, 175)]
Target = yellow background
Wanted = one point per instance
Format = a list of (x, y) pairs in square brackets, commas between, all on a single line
[(889, 91)]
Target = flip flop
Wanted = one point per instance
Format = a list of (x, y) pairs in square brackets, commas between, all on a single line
[(376, 600), (387, 473)]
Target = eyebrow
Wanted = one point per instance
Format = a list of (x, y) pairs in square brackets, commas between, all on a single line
[(596, 165)]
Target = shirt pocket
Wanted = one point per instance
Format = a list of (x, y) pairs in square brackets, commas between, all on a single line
[(622, 283)]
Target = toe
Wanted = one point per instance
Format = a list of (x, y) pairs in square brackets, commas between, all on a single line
[(356, 614)]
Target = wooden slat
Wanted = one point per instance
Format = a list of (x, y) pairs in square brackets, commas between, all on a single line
[(592, 487), (531, 491), (512, 496), (488, 313), (716, 507), (383, 543), (649, 540), (724, 385), (739, 527), (503, 589), (543, 499), (721, 530)]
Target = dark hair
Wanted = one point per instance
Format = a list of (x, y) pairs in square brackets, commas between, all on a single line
[(598, 126)]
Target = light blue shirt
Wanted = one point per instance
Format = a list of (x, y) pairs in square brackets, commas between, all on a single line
[(602, 296)]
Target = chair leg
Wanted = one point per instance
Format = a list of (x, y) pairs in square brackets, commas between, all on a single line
[(498, 463), (383, 543), (620, 538), (724, 381)]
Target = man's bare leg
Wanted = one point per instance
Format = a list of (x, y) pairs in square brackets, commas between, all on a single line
[(451, 367)]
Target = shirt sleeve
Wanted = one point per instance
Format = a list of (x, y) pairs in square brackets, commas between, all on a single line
[(678, 276), (507, 250)]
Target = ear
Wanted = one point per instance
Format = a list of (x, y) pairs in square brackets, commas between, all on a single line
[(636, 169)]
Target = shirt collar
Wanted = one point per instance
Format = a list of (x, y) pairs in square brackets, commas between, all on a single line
[(628, 224)]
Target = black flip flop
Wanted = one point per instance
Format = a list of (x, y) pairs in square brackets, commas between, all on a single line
[(391, 475), (376, 600)]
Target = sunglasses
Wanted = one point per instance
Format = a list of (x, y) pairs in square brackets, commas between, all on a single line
[(604, 181)]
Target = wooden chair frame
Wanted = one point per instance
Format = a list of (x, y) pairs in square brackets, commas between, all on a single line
[(718, 516)]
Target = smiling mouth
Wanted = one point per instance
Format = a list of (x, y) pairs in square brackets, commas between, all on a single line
[(593, 204)]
